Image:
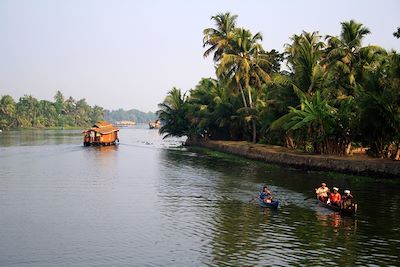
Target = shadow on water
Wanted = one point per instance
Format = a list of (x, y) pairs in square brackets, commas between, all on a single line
[(299, 232)]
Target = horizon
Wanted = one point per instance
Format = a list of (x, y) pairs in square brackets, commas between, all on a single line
[(111, 52)]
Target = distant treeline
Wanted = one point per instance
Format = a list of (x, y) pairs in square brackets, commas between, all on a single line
[(31, 112), (129, 115)]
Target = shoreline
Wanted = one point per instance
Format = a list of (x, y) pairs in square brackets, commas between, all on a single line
[(356, 164)]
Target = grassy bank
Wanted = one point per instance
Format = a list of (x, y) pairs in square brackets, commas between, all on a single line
[(357, 164)]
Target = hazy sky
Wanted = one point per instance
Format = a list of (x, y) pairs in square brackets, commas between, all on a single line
[(129, 54)]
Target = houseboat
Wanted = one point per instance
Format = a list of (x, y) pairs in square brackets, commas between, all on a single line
[(155, 124), (102, 133), (124, 123)]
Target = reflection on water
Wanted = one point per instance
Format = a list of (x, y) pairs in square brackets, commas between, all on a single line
[(149, 202)]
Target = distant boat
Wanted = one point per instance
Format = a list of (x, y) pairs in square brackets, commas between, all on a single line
[(155, 124), (124, 123), (102, 133), (1, 130)]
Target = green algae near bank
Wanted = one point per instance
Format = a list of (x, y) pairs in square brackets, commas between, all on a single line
[(360, 165)]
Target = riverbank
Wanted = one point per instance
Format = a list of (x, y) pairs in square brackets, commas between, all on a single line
[(356, 164)]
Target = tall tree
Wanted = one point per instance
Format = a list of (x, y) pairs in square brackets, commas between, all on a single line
[(7, 112), (218, 39), (245, 65), (342, 54), (173, 114), (304, 57), (27, 111)]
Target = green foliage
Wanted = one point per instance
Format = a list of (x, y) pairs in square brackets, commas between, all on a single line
[(335, 92), (7, 112), (30, 112), (397, 33), (173, 115), (129, 115), (380, 106)]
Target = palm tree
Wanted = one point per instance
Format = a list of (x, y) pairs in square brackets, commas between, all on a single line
[(218, 39), (342, 54), (213, 110), (304, 56), (244, 64), (379, 101), (172, 113), (7, 112)]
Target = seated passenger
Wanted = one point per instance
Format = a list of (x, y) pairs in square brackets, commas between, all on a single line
[(266, 195), (335, 197), (347, 199), (322, 192)]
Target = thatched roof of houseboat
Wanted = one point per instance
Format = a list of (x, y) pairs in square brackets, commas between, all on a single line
[(104, 127)]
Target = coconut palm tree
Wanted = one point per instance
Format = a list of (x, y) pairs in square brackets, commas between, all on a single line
[(213, 110), (173, 114), (7, 112), (304, 57), (244, 65), (379, 101), (342, 54), (218, 39)]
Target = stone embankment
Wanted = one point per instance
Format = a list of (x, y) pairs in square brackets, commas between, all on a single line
[(356, 164)]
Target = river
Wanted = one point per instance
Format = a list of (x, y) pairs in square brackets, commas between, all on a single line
[(151, 202)]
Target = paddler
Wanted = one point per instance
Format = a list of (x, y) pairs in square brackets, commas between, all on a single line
[(266, 195), (335, 198), (322, 192)]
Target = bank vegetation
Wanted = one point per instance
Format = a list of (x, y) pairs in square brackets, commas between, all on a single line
[(323, 94), (30, 112)]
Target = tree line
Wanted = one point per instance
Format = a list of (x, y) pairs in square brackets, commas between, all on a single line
[(322, 94), (31, 112), (129, 115)]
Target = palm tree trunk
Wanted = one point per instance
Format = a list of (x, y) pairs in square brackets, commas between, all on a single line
[(242, 94), (397, 157), (348, 149), (253, 122)]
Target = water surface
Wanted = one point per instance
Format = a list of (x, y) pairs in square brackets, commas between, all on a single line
[(150, 202)]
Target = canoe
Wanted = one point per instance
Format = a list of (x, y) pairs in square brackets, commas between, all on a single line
[(274, 203), (350, 211)]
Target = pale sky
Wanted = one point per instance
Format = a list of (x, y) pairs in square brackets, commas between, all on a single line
[(129, 54)]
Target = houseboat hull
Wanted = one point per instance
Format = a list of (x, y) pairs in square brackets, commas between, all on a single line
[(101, 134)]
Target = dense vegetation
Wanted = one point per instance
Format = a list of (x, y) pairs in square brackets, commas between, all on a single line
[(129, 115), (30, 112), (331, 94)]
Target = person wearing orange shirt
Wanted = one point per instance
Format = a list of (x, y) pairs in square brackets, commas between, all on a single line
[(335, 198)]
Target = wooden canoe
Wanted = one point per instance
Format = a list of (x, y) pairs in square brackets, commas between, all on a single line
[(274, 203), (350, 211)]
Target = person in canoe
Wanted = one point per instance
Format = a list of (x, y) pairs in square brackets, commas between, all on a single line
[(335, 198), (266, 195), (347, 200), (322, 192)]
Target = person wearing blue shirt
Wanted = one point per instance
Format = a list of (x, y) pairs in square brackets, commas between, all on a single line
[(266, 195)]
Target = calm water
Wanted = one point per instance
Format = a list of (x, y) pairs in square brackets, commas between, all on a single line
[(148, 202)]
